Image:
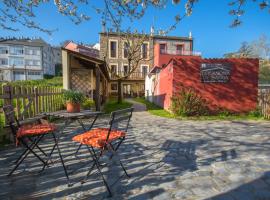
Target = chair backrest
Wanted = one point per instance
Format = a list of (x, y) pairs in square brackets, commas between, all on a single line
[(120, 116), (11, 118)]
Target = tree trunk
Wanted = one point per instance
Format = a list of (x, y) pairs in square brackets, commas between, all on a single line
[(119, 85)]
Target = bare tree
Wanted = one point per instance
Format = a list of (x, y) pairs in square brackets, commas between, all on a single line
[(23, 12), (132, 43)]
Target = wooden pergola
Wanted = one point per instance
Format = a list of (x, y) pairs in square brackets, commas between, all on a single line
[(85, 74)]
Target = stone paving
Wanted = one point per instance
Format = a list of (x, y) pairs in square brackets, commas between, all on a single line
[(166, 158)]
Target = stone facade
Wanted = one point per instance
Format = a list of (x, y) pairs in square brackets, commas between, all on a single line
[(135, 84)]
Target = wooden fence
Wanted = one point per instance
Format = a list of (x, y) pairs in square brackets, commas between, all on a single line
[(30, 101), (264, 102)]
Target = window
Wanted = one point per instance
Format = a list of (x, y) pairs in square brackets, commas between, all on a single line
[(3, 50), (162, 48), (32, 51), (144, 70), (113, 49), (125, 51), (3, 61), (179, 49), (16, 50), (32, 62), (18, 75), (125, 69), (114, 86), (145, 50), (15, 61), (34, 75), (113, 69)]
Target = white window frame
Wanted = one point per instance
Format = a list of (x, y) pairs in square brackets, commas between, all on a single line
[(124, 64), (123, 49), (148, 50), (166, 46), (16, 47), (113, 40), (116, 67), (145, 65), (4, 64), (15, 57), (180, 43)]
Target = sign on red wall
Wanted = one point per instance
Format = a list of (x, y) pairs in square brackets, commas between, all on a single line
[(215, 72)]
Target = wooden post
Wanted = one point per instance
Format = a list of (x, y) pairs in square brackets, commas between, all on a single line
[(36, 100), (97, 95), (7, 92)]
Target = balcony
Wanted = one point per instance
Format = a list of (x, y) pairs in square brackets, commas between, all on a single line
[(179, 53), (133, 76)]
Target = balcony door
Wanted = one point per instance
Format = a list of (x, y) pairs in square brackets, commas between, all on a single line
[(127, 90)]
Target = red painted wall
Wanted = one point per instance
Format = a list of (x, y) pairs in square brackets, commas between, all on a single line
[(239, 95), (164, 89)]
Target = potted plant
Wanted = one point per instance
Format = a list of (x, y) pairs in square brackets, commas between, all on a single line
[(73, 99)]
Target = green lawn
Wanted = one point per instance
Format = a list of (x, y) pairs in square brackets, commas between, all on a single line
[(156, 110), (112, 105)]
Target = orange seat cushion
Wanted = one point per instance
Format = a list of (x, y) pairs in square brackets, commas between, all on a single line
[(35, 129), (97, 137)]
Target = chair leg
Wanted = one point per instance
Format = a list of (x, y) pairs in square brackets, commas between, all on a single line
[(115, 154), (25, 153), (50, 155), (96, 162), (62, 160), (39, 148)]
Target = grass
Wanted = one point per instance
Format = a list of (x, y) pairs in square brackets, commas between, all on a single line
[(158, 111), (112, 105), (154, 109)]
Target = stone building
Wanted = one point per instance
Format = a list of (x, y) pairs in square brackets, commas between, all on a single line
[(112, 50)]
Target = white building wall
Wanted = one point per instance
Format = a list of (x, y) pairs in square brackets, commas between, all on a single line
[(25, 61)]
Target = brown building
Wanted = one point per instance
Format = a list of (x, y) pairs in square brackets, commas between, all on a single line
[(112, 51)]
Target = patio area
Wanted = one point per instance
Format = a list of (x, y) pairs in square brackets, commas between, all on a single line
[(166, 158)]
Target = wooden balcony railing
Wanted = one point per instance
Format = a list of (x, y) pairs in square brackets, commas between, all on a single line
[(132, 76)]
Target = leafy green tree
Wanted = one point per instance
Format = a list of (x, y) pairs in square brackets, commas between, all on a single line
[(259, 48)]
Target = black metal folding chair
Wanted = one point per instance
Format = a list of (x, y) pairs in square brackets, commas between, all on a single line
[(102, 140), (29, 135)]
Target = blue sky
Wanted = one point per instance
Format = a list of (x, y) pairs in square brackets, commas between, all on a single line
[(209, 24)]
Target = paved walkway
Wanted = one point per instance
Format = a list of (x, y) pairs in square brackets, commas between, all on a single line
[(166, 158), (138, 107)]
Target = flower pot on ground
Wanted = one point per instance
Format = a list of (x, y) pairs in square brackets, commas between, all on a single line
[(73, 100)]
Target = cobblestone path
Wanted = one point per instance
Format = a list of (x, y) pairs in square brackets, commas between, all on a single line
[(166, 158)]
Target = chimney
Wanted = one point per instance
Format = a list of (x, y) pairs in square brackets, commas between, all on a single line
[(103, 27), (152, 31), (190, 35)]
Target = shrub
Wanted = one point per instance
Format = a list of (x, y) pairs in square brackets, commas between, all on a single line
[(88, 104), (188, 103), (255, 113), (224, 113), (73, 96)]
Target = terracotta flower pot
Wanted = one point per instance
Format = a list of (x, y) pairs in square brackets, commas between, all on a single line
[(73, 107)]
